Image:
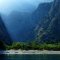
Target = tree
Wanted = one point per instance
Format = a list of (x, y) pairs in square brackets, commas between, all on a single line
[(2, 45)]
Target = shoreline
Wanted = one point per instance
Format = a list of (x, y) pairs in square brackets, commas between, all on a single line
[(28, 52)]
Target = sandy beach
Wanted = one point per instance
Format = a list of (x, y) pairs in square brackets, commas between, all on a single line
[(29, 52)]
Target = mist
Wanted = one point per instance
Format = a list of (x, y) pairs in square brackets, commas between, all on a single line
[(6, 6)]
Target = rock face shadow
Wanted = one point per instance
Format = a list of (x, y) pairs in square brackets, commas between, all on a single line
[(5, 39)]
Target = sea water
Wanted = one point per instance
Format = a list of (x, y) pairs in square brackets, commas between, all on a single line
[(30, 57)]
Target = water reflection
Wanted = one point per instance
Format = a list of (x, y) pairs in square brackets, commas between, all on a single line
[(2, 57), (29, 57)]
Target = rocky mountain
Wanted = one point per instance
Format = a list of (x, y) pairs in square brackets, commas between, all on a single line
[(41, 12), (21, 25), (4, 35), (49, 31)]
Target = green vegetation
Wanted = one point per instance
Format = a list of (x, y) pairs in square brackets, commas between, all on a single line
[(2, 45), (33, 46), (30, 46)]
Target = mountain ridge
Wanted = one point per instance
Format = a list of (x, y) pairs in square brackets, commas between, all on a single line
[(4, 34), (26, 22), (51, 33)]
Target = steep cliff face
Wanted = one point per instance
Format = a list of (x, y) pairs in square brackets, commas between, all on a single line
[(21, 24), (54, 25), (50, 29), (41, 12), (4, 35)]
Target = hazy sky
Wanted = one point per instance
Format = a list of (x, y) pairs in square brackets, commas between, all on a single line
[(7, 6)]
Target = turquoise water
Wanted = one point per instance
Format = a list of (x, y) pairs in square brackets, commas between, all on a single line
[(29, 57)]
